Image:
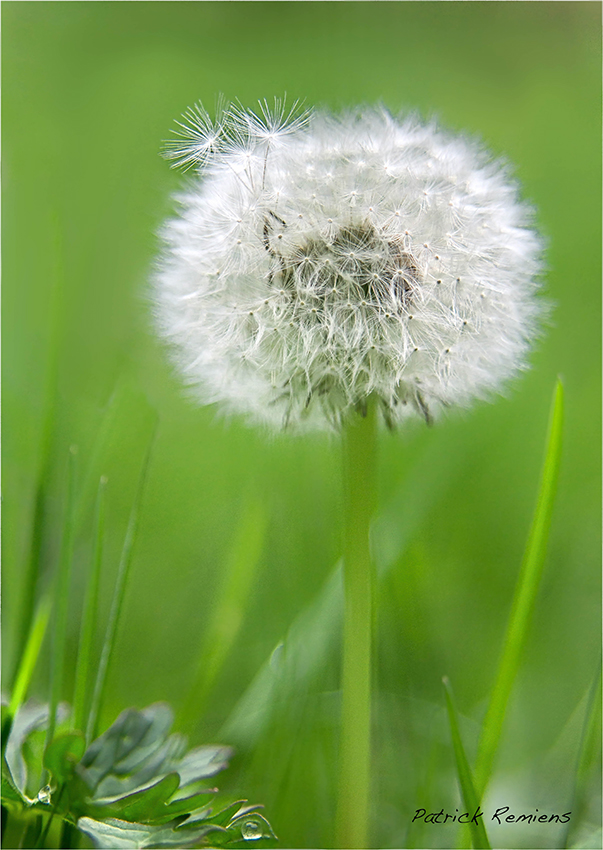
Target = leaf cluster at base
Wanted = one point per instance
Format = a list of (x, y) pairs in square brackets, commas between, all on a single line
[(136, 786)]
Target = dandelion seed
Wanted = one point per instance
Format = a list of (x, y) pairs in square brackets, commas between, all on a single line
[(270, 207)]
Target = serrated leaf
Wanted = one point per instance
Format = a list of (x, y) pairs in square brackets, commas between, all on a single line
[(31, 718), (202, 763), (224, 817), (143, 805), (114, 834), (132, 739), (183, 806), (248, 828), (62, 755), (11, 796), (157, 765)]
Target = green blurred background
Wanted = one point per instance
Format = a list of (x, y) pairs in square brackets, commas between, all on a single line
[(90, 92)]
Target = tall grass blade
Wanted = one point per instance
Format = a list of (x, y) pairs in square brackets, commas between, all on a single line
[(32, 565), (229, 611), (61, 600), (30, 655), (470, 797), (524, 598), (118, 598), (589, 752), (83, 672)]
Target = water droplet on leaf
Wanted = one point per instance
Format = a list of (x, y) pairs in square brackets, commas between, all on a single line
[(251, 830), (44, 795)]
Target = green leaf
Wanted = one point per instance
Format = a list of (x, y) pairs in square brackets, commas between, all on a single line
[(224, 817), (29, 718), (135, 768), (183, 806), (24, 747), (129, 787), (11, 796), (252, 826), (113, 834), (470, 798), (133, 738), (143, 805), (62, 755), (524, 599), (202, 763)]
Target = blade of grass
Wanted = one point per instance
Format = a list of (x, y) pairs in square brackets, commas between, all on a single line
[(30, 655), (32, 565), (470, 797), (524, 598), (61, 600), (588, 751), (88, 627), (118, 597), (27, 663), (227, 615)]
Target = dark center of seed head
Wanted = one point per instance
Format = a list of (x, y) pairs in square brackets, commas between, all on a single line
[(354, 261)]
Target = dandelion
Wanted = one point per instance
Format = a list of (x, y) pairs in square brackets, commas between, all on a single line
[(320, 261), (322, 267)]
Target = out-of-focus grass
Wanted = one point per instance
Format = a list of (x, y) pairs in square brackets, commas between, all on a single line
[(471, 800), (90, 91)]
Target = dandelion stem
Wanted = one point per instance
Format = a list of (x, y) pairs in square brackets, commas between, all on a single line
[(359, 456)]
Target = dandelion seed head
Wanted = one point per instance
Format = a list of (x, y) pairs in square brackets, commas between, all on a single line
[(317, 260)]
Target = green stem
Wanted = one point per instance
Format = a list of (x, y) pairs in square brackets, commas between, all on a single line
[(359, 475), (61, 601), (88, 628)]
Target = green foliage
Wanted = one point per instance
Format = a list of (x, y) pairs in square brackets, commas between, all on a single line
[(470, 797), (526, 591), (101, 84), (134, 786)]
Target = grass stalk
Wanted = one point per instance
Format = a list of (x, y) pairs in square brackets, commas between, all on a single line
[(227, 616), (32, 565), (84, 658), (524, 599), (117, 600), (30, 655), (61, 600), (359, 490), (471, 800), (589, 754)]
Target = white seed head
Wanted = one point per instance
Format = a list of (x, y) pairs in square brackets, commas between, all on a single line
[(320, 260)]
